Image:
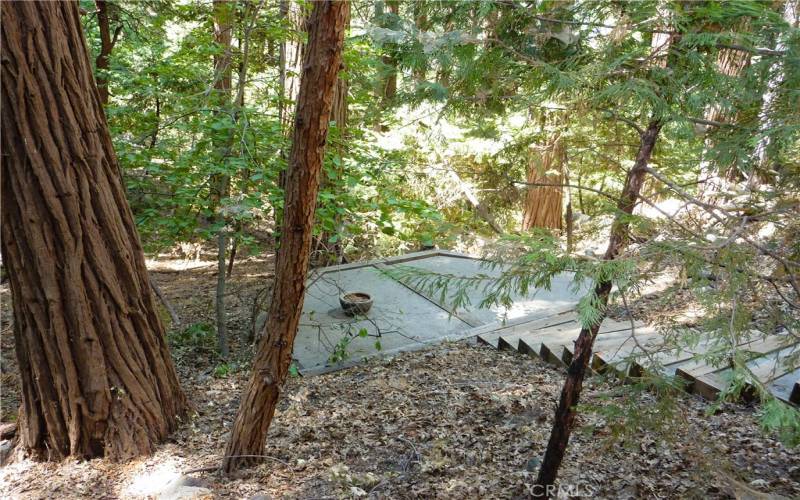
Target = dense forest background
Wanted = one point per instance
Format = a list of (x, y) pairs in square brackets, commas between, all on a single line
[(456, 124), (639, 146)]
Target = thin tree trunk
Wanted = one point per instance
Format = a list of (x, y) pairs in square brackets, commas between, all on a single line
[(421, 23), (107, 42), (219, 309), (244, 47), (390, 60), (223, 30), (570, 393), (283, 12), (176, 320), (321, 66), (387, 79), (569, 216), (291, 68), (97, 377)]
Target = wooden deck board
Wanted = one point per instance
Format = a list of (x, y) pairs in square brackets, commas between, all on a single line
[(490, 334), (554, 340), (764, 368), (625, 350), (787, 387), (692, 368), (558, 335)]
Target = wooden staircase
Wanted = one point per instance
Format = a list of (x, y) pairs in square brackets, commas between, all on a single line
[(626, 346)]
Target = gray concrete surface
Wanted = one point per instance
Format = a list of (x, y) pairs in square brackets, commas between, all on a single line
[(403, 317)]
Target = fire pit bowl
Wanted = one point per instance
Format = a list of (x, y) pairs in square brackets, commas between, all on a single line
[(355, 303)]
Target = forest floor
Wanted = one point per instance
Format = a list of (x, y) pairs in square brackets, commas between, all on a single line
[(454, 420)]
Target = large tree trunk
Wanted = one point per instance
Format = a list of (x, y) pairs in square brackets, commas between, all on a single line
[(321, 65), (544, 195), (570, 393), (97, 377)]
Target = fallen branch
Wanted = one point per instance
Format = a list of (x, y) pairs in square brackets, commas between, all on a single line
[(176, 320)]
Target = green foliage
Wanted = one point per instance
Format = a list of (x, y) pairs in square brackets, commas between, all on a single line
[(195, 338), (781, 420), (222, 370)]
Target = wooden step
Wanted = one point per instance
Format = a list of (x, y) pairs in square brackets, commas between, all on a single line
[(564, 334), (787, 387), (692, 368), (620, 354), (490, 334), (764, 368), (668, 359), (558, 348)]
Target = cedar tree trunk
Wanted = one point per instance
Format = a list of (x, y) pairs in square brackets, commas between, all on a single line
[(570, 393), (544, 195), (97, 377), (321, 64)]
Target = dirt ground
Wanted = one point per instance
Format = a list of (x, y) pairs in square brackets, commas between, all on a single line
[(455, 420)]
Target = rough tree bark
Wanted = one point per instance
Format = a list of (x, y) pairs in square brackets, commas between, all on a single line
[(107, 42), (97, 377), (321, 65), (570, 393), (543, 204)]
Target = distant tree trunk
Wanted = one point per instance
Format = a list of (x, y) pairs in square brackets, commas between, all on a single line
[(390, 60), (223, 77), (569, 216), (571, 391), (107, 42), (543, 204), (292, 61), (339, 116), (289, 81), (251, 10), (762, 152), (321, 65), (716, 176), (388, 89), (387, 78), (97, 377), (421, 22)]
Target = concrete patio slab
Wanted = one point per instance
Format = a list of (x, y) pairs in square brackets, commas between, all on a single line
[(403, 317)]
